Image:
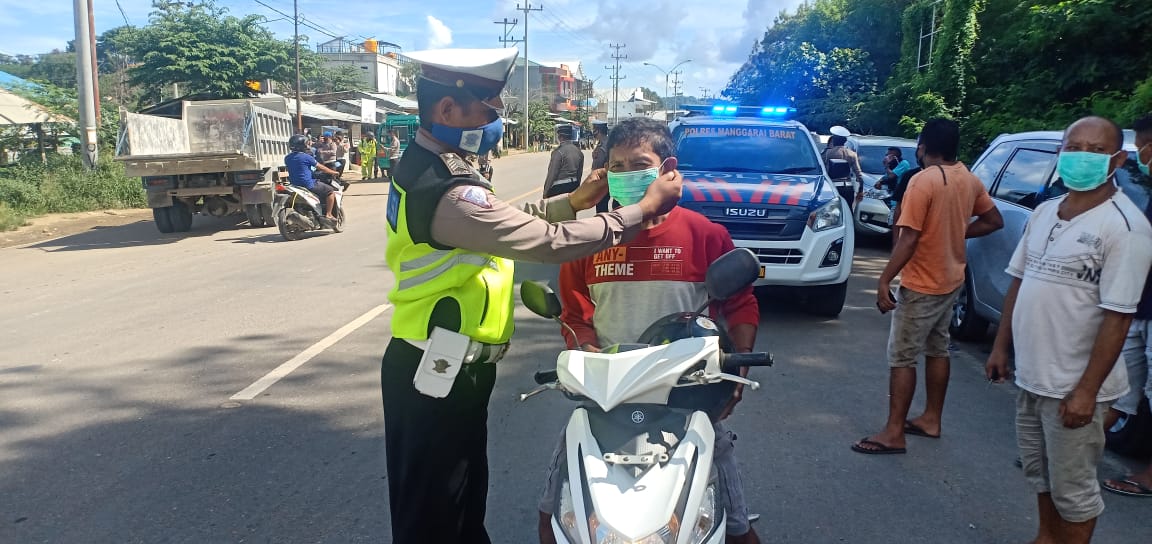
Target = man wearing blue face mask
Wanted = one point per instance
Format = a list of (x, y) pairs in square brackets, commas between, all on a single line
[(451, 243), (1079, 273)]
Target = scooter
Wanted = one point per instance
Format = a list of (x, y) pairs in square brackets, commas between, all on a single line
[(299, 210), (637, 465)]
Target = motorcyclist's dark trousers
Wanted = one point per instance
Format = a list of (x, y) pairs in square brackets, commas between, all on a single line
[(437, 452)]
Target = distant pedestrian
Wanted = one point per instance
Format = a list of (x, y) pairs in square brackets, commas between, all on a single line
[(1078, 271), (566, 167), (367, 150), (1137, 347), (341, 153), (936, 218), (600, 158), (394, 150)]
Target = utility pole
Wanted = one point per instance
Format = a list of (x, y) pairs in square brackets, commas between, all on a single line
[(616, 77), (704, 92), (527, 8), (676, 88), (85, 74), (95, 70), (296, 41), (507, 41)]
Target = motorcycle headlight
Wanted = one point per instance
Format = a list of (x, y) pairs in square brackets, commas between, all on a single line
[(705, 517), (603, 534), (826, 217)]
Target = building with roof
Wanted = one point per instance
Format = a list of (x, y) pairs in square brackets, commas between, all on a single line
[(379, 66)]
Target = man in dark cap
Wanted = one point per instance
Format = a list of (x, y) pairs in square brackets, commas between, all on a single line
[(451, 244), (566, 167)]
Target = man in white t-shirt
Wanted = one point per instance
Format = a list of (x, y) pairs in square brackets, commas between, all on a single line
[(1079, 272)]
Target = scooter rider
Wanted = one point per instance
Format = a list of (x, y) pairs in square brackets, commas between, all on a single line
[(451, 246), (300, 164)]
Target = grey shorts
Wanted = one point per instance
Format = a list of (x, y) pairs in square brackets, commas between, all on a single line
[(919, 325), (1059, 460), (729, 485), (1137, 352)]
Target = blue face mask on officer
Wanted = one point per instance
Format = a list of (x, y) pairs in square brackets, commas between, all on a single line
[(475, 139)]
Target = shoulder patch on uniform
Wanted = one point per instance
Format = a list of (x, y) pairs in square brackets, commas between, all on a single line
[(475, 195), (456, 165)]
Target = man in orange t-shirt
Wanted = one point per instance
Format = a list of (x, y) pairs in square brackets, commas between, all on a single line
[(935, 219)]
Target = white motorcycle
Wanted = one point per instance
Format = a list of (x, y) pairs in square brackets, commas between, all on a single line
[(638, 461), (299, 210)]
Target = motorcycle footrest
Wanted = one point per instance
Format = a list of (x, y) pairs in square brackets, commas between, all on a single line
[(645, 459)]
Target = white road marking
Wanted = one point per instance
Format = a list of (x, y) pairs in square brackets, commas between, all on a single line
[(278, 373)]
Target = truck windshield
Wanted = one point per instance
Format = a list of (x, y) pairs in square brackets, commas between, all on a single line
[(872, 157), (734, 148)]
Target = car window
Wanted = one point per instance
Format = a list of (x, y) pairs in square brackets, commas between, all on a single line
[(1024, 179), (733, 148), (872, 157), (991, 163)]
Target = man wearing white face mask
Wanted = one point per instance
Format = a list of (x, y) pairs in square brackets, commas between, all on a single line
[(1079, 273)]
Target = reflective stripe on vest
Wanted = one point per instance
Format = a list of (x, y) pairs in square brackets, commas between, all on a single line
[(481, 284)]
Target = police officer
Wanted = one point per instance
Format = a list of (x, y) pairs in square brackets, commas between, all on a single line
[(451, 243), (843, 165), (566, 166)]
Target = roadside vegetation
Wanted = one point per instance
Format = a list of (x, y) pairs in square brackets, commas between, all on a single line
[(64, 185)]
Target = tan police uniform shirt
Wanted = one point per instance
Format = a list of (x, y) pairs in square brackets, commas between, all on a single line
[(842, 152), (494, 227)]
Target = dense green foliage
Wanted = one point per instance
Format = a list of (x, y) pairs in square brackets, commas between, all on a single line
[(996, 65), (64, 185)]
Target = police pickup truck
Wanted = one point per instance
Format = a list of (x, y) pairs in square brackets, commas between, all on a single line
[(760, 175)]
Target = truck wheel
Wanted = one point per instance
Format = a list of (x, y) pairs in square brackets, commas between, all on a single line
[(966, 324), (268, 214), (827, 300), (181, 216), (163, 219), (288, 231), (255, 218)]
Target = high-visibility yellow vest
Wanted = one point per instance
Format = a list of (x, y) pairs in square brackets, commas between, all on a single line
[(481, 284)]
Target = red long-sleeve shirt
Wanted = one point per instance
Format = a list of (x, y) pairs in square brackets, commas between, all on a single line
[(613, 296)]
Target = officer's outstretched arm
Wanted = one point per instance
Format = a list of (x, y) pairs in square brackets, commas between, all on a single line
[(471, 217)]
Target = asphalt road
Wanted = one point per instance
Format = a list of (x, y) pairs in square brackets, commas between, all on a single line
[(123, 351)]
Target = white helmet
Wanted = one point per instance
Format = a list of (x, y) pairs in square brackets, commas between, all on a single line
[(839, 131)]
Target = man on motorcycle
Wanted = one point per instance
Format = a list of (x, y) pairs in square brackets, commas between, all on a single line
[(300, 164), (613, 296)]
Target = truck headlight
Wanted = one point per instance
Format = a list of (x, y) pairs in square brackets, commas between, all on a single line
[(828, 216)]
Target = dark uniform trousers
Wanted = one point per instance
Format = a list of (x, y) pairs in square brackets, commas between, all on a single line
[(437, 452)]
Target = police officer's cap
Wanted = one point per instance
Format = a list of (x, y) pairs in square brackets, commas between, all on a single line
[(839, 131), (484, 72)]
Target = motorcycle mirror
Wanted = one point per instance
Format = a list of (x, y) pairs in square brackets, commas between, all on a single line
[(731, 273), (540, 298)]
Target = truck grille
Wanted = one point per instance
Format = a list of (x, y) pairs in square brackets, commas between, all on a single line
[(764, 230), (778, 255)]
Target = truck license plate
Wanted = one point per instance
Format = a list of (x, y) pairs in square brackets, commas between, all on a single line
[(761, 272)]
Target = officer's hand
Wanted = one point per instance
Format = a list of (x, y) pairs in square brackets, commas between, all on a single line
[(663, 194), (591, 191)]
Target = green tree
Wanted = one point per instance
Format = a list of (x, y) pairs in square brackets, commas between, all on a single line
[(204, 50)]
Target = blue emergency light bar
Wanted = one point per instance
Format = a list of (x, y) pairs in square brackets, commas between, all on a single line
[(732, 110)]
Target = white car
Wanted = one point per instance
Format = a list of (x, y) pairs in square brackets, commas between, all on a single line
[(873, 214)]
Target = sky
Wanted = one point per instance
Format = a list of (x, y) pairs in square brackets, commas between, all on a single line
[(715, 35)]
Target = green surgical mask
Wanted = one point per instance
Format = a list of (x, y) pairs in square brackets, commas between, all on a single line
[(1084, 170), (629, 187), (1141, 164)]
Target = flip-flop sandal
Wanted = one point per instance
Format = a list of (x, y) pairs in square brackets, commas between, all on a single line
[(915, 430), (876, 449), (1144, 490)]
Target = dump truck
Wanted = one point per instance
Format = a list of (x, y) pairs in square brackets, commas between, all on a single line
[(219, 158)]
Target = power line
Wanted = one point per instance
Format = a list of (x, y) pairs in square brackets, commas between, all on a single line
[(122, 14), (561, 27), (616, 77), (301, 20), (508, 27)]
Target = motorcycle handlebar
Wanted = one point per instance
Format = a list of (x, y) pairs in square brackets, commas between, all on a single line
[(545, 376), (736, 360)]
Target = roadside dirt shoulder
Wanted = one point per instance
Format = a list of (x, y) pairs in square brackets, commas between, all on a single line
[(56, 225)]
